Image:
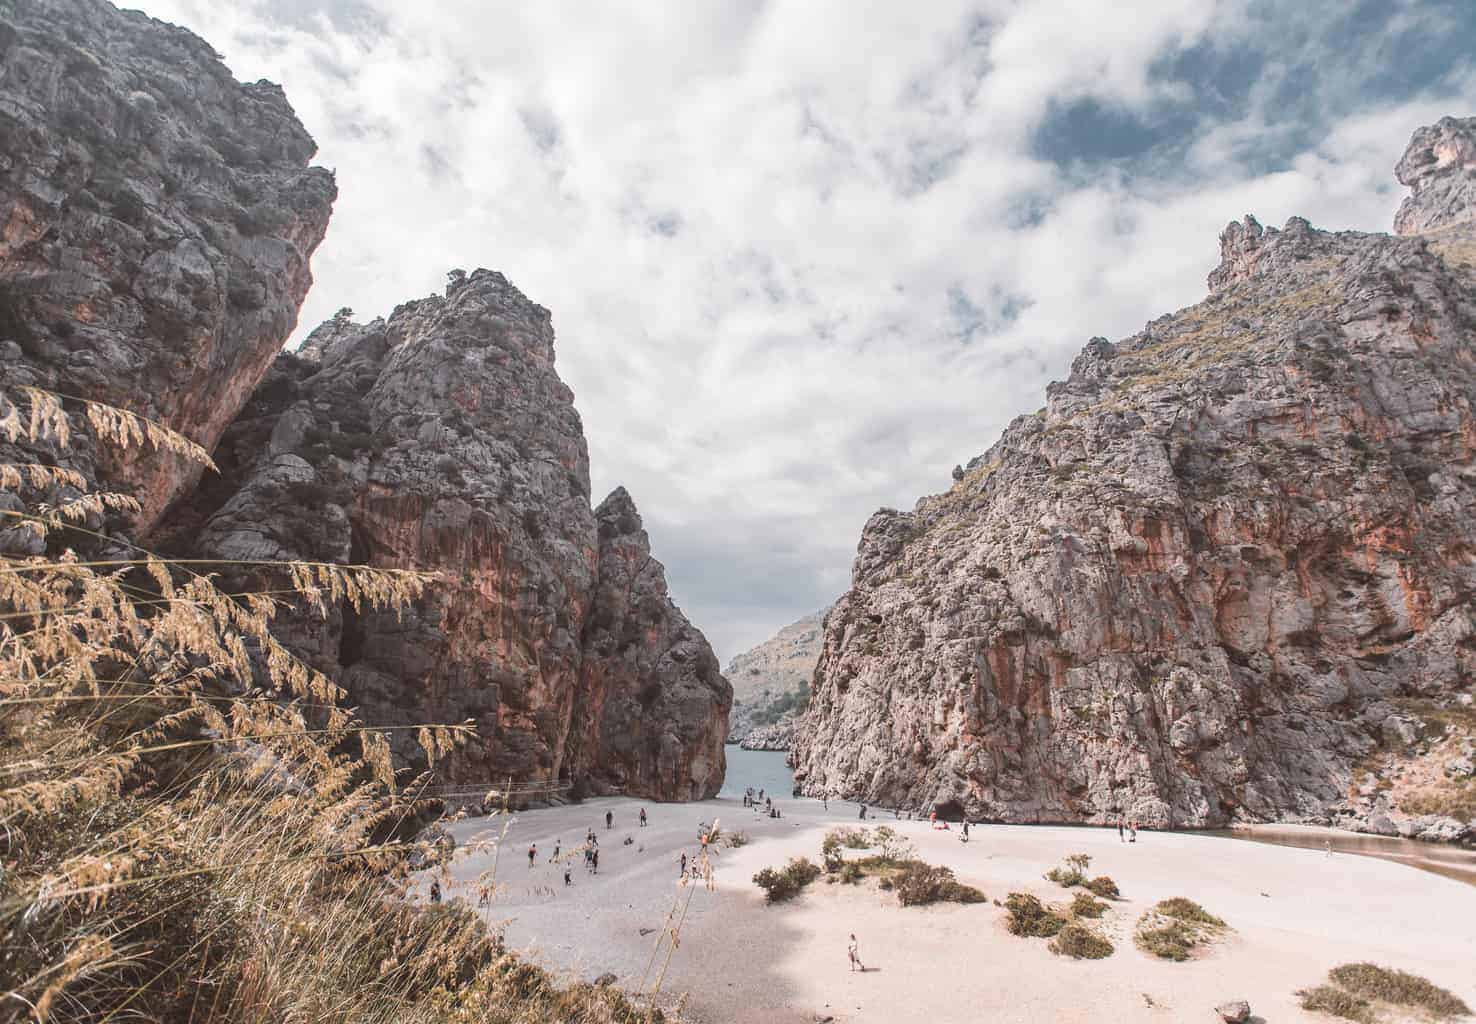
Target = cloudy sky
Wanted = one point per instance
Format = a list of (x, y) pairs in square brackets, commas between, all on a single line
[(803, 256)]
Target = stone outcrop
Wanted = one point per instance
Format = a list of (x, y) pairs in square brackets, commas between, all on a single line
[(156, 220), (1229, 563), (442, 438), (1440, 169), (771, 684)]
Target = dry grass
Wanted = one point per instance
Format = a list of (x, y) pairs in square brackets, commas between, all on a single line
[(1080, 942), (1332, 1000), (1398, 988), (192, 828), (1071, 872), (1175, 927), (1030, 918)]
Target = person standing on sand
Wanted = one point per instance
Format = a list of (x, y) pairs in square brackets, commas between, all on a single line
[(1133, 831), (594, 863), (609, 819), (683, 872), (853, 951), (965, 837), (555, 856), (825, 799), (863, 812), (567, 871), (435, 892), (1120, 838), (532, 852), (643, 817)]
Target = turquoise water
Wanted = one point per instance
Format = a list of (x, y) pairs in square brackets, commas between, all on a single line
[(761, 769)]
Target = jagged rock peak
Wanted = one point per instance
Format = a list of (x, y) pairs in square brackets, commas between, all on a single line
[(618, 516), (158, 217), (1244, 244), (1439, 166)]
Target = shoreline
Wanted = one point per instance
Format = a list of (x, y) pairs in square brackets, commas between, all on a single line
[(1294, 913)]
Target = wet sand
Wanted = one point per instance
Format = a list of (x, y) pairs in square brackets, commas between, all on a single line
[(1295, 913)]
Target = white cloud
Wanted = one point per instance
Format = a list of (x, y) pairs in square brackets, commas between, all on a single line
[(765, 230)]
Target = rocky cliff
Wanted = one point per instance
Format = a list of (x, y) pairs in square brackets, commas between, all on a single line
[(156, 222), (1224, 574), (442, 438), (771, 684)]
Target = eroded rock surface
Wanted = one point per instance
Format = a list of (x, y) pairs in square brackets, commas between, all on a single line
[(1440, 169), (442, 438), (156, 220), (771, 684), (1228, 563)]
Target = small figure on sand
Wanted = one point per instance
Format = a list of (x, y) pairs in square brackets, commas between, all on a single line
[(532, 852), (1327, 845), (628, 841), (683, 872), (965, 837), (484, 896), (609, 819), (643, 817), (825, 799), (594, 863), (1120, 837), (557, 844), (435, 892), (1133, 831), (853, 951), (567, 872), (761, 794), (863, 812)]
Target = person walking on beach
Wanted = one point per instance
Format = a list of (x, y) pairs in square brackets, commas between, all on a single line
[(557, 845), (532, 852), (683, 872), (863, 812), (853, 952), (825, 799), (643, 817), (594, 863), (567, 872), (435, 892), (1133, 831), (1120, 838), (965, 837), (609, 819)]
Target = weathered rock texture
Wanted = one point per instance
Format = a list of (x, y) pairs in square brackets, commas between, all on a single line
[(1440, 169), (1229, 562), (771, 684), (443, 439), (156, 219)]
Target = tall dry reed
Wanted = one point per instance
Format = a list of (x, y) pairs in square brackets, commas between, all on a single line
[(192, 828)]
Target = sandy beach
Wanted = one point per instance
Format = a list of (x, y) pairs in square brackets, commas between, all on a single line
[(1295, 913)]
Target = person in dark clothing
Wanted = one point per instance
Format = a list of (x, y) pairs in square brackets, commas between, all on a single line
[(609, 819), (643, 817), (594, 863), (435, 892), (557, 845), (863, 812), (567, 871), (965, 837), (683, 872), (532, 852)]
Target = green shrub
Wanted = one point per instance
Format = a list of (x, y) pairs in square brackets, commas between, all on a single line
[(1398, 987), (1071, 872), (1102, 886), (785, 884), (850, 873), (1083, 905), (1174, 927), (919, 884), (1079, 941), (830, 855), (891, 845), (1029, 918), (1329, 999)]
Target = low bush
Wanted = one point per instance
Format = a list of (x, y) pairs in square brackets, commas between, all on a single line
[(850, 873), (1174, 927), (1071, 872), (786, 883), (1401, 988), (1080, 942), (733, 840), (1085, 906), (919, 884), (1102, 886), (1028, 917), (1333, 1000)]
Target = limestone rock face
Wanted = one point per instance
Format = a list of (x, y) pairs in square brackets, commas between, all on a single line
[(652, 688), (771, 684), (443, 439), (1229, 561), (156, 220), (1440, 169)]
